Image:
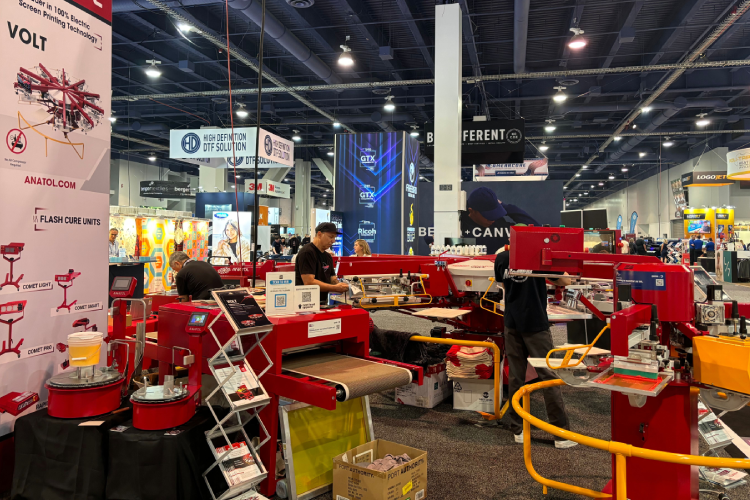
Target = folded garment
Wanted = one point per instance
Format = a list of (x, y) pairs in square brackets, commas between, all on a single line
[(388, 462), (469, 362)]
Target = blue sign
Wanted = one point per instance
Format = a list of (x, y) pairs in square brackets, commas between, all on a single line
[(191, 143), (643, 280), (619, 222), (633, 220)]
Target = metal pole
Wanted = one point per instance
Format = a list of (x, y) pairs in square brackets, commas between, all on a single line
[(256, 204)]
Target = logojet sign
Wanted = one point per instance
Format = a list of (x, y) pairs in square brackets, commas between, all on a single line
[(707, 179), (217, 143), (481, 141)]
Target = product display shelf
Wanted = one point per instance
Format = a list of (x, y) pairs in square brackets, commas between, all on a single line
[(234, 422)]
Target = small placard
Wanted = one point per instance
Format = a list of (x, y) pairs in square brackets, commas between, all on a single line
[(446, 187), (307, 298), (280, 294), (323, 328)]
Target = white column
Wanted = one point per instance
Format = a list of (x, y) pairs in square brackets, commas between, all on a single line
[(301, 197), (212, 180), (448, 91)]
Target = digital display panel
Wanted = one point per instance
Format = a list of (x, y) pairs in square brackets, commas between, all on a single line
[(122, 283), (700, 227), (198, 319)]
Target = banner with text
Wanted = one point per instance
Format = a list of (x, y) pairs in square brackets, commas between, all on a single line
[(276, 151), (54, 188), (165, 189), (269, 188), (492, 142), (529, 170)]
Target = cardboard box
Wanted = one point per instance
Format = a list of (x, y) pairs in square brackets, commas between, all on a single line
[(128, 320), (474, 394), (433, 391), (355, 482)]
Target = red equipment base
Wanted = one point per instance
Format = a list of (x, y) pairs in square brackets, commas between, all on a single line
[(160, 416), (85, 401)]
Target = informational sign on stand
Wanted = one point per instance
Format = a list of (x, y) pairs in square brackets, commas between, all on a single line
[(307, 299), (280, 294), (55, 102)]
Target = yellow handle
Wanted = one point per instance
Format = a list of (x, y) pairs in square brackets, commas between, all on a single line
[(569, 351), (484, 297)]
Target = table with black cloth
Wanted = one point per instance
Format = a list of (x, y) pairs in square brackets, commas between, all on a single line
[(57, 459)]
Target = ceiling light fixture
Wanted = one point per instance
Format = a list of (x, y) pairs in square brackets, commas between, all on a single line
[(617, 138), (152, 158), (336, 124), (184, 27), (702, 121), (414, 132), (112, 119), (330, 153), (641, 154), (296, 137), (577, 42), (584, 167), (645, 109), (592, 186), (549, 127), (389, 105), (578, 175), (624, 169), (346, 59), (667, 143), (601, 183), (586, 193), (560, 96), (611, 177), (543, 147), (241, 111), (635, 126), (152, 70)]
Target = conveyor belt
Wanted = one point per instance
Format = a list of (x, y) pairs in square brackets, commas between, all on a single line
[(354, 376)]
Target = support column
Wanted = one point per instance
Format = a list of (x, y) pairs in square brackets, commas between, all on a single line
[(302, 197), (274, 174), (448, 91), (212, 180)]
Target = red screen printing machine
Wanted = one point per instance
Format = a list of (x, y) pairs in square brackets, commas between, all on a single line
[(668, 351)]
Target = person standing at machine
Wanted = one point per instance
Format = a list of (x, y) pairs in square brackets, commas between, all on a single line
[(276, 245), (114, 247), (527, 334), (314, 265), (294, 244), (306, 239), (698, 246), (194, 278), (710, 248), (691, 242), (361, 249)]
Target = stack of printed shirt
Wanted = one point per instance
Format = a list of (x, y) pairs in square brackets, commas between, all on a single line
[(469, 362)]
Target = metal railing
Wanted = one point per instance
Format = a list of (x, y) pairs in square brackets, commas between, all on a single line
[(621, 451)]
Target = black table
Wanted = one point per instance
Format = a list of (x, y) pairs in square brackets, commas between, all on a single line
[(58, 459)]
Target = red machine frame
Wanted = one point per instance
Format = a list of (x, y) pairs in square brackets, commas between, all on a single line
[(19, 306), (66, 278), (12, 249)]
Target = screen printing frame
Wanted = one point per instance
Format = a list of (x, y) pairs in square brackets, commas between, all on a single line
[(287, 445)]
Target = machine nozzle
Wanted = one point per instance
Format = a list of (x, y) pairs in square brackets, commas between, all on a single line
[(654, 335), (735, 310), (743, 328)]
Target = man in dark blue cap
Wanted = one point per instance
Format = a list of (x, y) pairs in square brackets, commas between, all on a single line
[(485, 219)]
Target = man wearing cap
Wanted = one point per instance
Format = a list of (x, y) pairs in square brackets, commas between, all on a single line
[(485, 219), (314, 265)]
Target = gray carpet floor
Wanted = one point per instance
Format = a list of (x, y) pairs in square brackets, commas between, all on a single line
[(471, 459)]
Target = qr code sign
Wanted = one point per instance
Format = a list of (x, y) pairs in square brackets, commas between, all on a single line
[(339, 497), (419, 495), (306, 296), (281, 301), (659, 282)]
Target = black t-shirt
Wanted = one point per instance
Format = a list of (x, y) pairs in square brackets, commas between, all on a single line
[(525, 298), (197, 279), (277, 246), (310, 260)]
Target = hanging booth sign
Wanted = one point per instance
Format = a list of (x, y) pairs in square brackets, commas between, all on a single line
[(738, 164), (535, 169), (217, 143), (706, 179), (485, 142), (269, 188), (165, 189)]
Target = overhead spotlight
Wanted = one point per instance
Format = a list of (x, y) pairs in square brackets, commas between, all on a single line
[(641, 154), (549, 128), (414, 132), (578, 175), (584, 167), (330, 153), (233, 186), (112, 119), (565, 187), (592, 186), (241, 111), (645, 109), (617, 138), (389, 105), (152, 70), (624, 169), (702, 121), (152, 158), (184, 27), (667, 143), (601, 183), (575, 199), (577, 42), (238, 176), (560, 96), (296, 137), (336, 124), (543, 147), (611, 177), (346, 59), (585, 193)]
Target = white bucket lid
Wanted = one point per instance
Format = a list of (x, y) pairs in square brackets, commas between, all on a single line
[(85, 338)]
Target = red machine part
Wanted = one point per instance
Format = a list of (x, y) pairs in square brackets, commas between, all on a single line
[(65, 281), (11, 253), (84, 402), (16, 403), (160, 416), (17, 307), (670, 287)]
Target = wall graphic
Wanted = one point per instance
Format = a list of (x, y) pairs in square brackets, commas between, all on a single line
[(54, 188)]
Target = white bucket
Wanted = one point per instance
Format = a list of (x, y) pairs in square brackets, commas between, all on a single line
[(84, 348)]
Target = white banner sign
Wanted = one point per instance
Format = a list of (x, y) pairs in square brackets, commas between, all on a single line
[(54, 186), (209, 143), (269, 188), (738, 164), (534, 167)]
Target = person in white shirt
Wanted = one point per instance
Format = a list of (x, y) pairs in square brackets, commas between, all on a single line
[(114, 247), (361, 249)]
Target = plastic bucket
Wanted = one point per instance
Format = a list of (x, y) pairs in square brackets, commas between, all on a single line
[(84, 348)]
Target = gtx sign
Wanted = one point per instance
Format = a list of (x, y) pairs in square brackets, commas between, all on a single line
[(708, 179), (482, 141)]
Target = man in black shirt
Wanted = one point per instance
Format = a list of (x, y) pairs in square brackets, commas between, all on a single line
[(527, 334), (294, 244), (194, 279), (276, 246), (314, 266)]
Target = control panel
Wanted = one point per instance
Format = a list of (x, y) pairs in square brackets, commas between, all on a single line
[(123, 287), (197, 322)]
